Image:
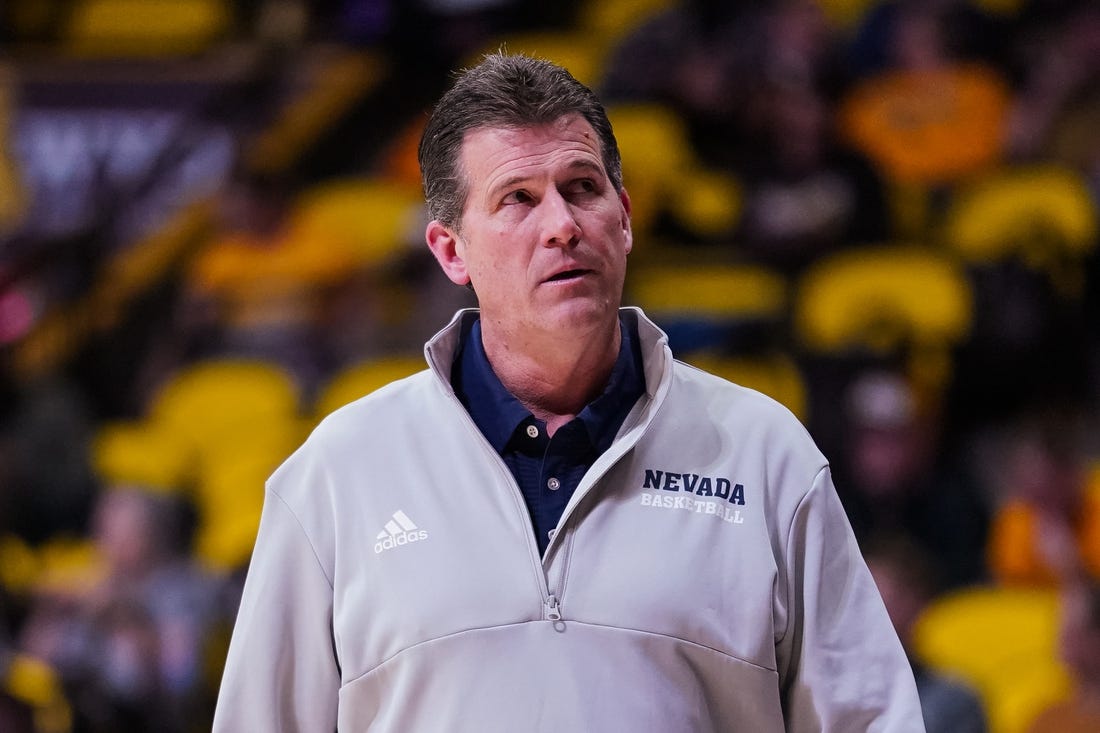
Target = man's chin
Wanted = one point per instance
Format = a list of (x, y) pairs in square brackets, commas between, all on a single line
[(575, 315)]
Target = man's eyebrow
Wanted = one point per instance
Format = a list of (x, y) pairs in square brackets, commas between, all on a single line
[(507, 183), (585, 164)]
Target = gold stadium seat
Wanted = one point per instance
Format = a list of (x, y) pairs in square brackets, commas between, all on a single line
[(362, 378), (1001, 640), (709, 306), (715, 314), (718, 291), (879, 296), (141, 453), (145, 27), (876, 297), (37, 685), (661, 172), (1022, 692), (375, 218), (705, 202), (225, 485), (654, 144), (229, 492), (1044, 215), (703, 305), (68, 567), (18, 564), (886, 300), (776, 375), (215, 401), (237, 420)]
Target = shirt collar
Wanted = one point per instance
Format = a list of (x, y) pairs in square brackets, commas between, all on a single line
[(603, 416), (498, 414)]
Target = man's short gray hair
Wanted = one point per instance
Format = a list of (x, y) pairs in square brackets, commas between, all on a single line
[(507, 91)]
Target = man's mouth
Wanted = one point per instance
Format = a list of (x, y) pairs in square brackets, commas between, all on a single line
[(566, 275)]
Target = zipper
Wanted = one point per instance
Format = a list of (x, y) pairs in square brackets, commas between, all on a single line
[(553, 613), (558, 582), (608, 463), (551, 610)]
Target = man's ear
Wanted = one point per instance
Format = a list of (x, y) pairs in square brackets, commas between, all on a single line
[(624, 199), (449, 251)]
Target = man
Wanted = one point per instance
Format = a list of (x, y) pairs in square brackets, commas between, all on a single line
[(556, 527)]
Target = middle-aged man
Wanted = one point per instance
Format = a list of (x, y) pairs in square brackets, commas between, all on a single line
[(556, 527)]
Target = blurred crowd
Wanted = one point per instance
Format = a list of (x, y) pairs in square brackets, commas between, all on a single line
[(882, 214)]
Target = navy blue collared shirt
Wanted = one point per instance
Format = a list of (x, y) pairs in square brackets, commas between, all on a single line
[(547, 470)]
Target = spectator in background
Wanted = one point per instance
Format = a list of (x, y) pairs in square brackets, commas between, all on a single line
[(806, 195), (1046, 527), (754, 83), (1079, 643), (131, 644), (1059, 90), (118, 688), (895, 479), (47, 486), (695, 58), (259, 289), (929, 115), (887, 38), (806, 192), (713, 63), (905, 577), (143, 539)]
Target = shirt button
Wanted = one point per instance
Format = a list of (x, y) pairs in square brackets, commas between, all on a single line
[(553, 484), (551, 533), (532, 431)]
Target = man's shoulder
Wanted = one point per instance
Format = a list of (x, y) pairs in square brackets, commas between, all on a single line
[(368, 426), (396, 400), (712, 389), (392, 409), (742, 411)]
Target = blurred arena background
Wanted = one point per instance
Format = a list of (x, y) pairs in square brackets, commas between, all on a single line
[(882, 214)]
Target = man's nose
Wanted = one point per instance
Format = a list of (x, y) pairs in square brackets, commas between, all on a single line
[(560, 227)]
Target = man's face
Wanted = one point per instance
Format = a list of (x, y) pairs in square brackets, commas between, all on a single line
[(544, 235)]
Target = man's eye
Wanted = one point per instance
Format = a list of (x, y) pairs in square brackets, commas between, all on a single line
[(582, 185), (518, 197)]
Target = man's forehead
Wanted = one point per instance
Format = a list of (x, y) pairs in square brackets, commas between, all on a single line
[(570, 125), (488, 147)]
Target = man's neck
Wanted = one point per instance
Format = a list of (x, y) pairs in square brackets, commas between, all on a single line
[(554, 376)]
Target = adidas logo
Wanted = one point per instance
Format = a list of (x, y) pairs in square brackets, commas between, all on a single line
[(398, 531)]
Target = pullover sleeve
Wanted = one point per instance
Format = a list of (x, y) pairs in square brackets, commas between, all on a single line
[(842, 667), (281, 674)]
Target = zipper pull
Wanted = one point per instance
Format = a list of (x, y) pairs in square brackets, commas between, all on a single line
[(552, 611)]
